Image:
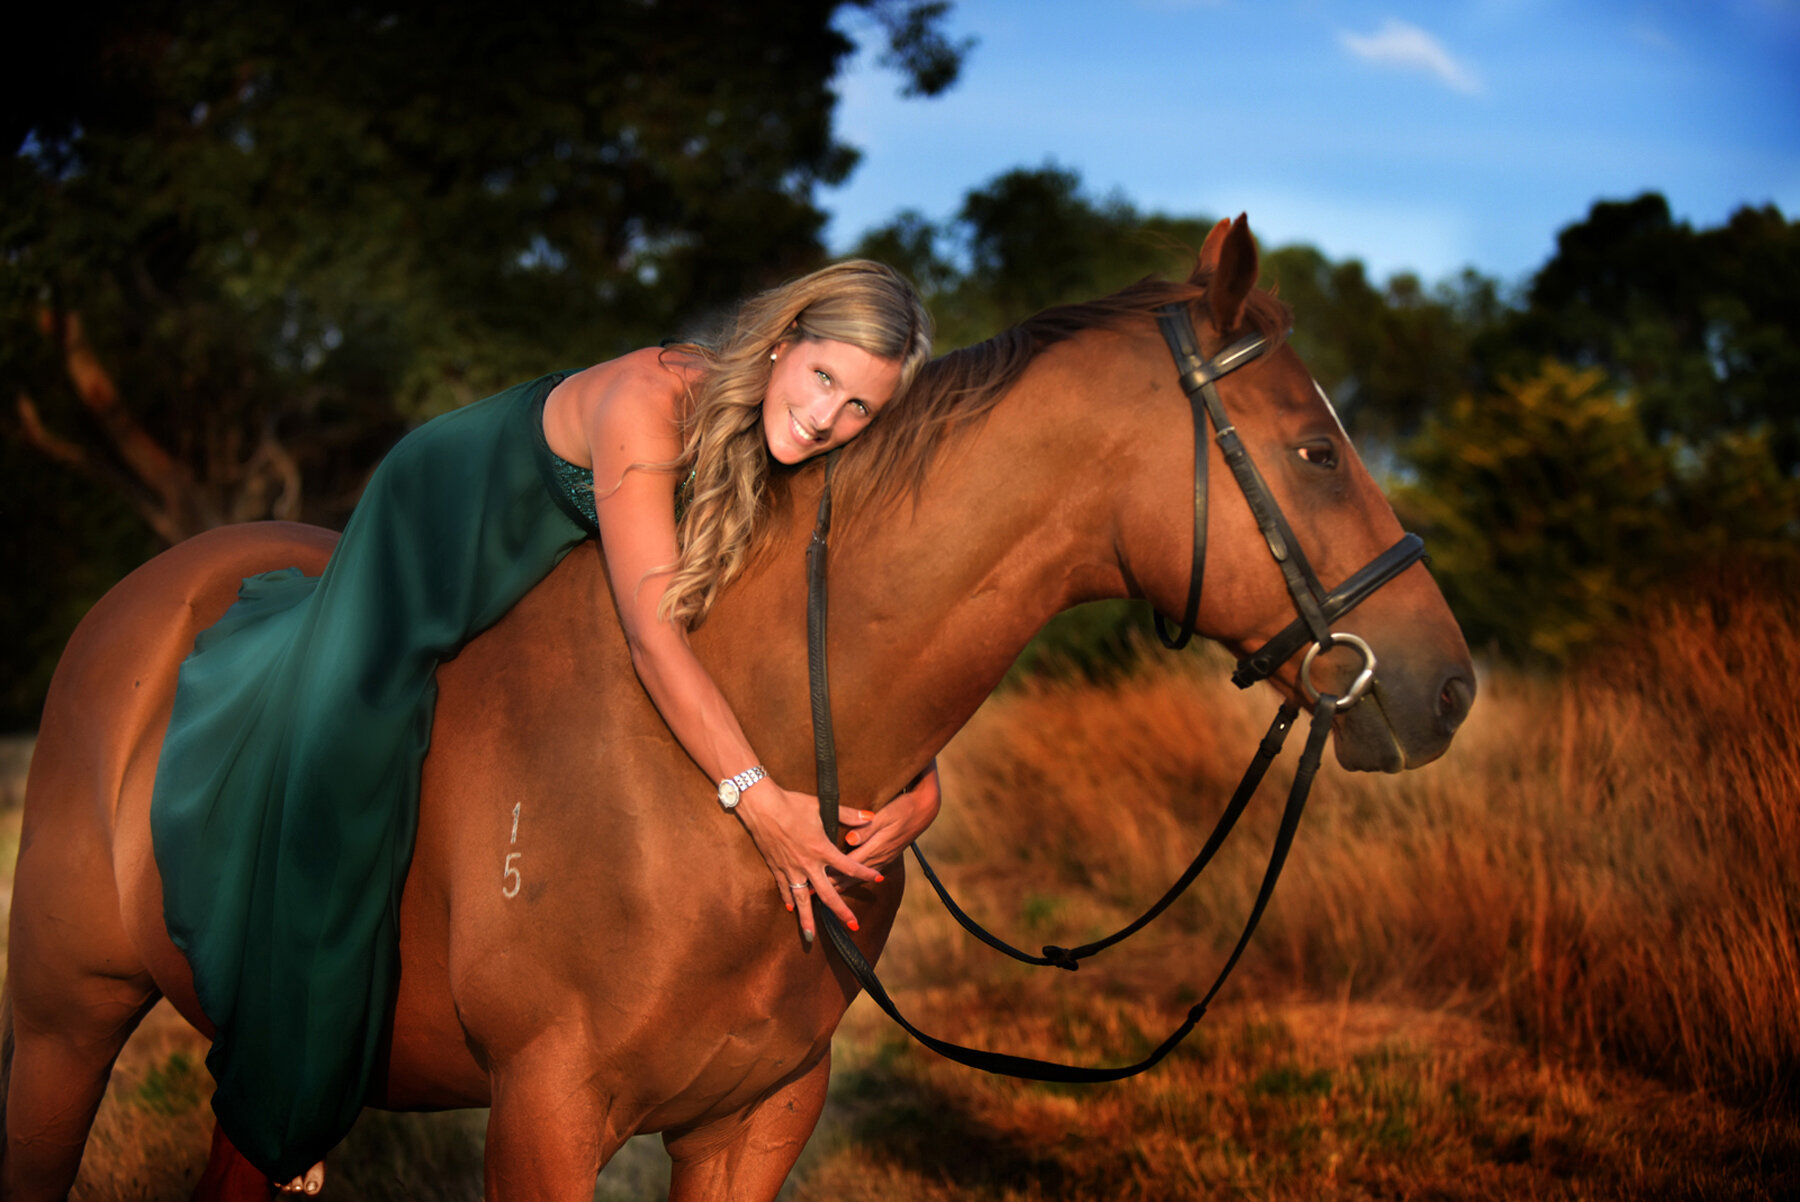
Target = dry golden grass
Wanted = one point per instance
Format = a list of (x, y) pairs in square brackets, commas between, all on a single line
[(1562, 963), (1282, 1101), (1608, 865)]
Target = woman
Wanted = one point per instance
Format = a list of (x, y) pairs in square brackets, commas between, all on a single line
[(808, 368), (286, 795)]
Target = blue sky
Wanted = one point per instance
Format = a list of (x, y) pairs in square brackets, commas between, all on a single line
[(1413, 136)]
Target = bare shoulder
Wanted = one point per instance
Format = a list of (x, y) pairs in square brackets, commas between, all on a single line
[(636, 398), (644, 389), (650, 368)]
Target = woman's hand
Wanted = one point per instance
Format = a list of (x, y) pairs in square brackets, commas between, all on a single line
[(792, 841), (893, 828)]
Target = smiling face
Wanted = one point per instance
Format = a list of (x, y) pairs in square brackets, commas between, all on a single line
[(821, 395)]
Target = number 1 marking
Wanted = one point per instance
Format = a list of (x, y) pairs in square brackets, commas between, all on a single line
[(510, 880)]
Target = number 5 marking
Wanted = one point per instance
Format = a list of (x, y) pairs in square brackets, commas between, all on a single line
[(511, 878)]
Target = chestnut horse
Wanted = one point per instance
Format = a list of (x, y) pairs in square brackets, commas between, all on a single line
[(588, 943)]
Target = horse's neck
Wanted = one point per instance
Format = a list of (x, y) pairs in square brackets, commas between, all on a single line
[(931, 602), (1041, 504)]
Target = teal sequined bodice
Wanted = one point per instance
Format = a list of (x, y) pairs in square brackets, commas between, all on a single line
[(577, 483)]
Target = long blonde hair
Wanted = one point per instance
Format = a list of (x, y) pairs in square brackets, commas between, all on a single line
[(865, 304)]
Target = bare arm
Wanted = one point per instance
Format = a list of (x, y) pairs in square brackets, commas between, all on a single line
[(628, 416)]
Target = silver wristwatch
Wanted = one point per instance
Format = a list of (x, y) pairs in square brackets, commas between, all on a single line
[(730, 791)]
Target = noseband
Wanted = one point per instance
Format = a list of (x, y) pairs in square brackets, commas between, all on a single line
[(1317, 607)]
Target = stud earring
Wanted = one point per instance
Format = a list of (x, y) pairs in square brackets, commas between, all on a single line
[(771, 356)]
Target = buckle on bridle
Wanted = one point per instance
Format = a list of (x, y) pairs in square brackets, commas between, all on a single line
[(1358, 687)]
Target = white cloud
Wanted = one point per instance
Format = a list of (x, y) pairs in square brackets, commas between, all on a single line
[(1409, 48), (1653, 37)]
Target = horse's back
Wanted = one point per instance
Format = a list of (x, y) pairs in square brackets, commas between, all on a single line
[(86, 822)]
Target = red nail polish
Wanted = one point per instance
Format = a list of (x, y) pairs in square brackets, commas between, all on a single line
[(879, 878), (853, 925)]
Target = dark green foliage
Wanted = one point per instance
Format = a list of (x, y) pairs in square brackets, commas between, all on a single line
[(286, 232), (1552, 515), (1096, 641), (281, 233), (64, 543), (1541, 506), (331, 217), (918, 48), (1028, 239), (1559, 496), (1703, 325), (1553, 496), (1386, 355), (174, 1087)]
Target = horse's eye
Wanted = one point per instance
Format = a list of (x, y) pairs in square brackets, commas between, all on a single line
[(1319, 454)]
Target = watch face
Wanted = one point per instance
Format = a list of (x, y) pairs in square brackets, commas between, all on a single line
[(728, 794)]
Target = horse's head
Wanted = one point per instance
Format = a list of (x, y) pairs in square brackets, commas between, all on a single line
[(1423, 683), (1060, 459)]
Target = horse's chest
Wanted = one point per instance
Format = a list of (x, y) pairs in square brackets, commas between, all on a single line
[(678, 1026), (719, 1046)]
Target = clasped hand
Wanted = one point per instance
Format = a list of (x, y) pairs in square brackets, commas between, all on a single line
[(788, 833)]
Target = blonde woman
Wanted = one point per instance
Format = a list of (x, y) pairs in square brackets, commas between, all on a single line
[(808, 367), (286, 794)]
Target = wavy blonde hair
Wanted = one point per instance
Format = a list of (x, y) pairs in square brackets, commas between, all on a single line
[(865, 304)]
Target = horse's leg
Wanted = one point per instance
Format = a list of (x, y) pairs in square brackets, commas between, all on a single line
[(77, 983), (69, 1022), (748, 1155), (549, 1128)]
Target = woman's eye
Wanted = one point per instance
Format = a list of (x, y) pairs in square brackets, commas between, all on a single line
[(861, 408), (1319, 454), (824, 378)]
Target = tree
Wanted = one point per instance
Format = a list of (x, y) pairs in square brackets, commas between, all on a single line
[(1540, 504), (1028, 239), (1704, 326), (1551, 513), (242, 246), (241, 229), (1033, 237), (1387, 356)]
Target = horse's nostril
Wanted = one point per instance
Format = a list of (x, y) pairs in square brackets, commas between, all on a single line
[(1454, 700)]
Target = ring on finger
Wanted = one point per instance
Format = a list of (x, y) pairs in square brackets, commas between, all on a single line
[(797, 886)]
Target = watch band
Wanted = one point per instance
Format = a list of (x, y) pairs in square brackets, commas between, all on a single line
[(731, 791)]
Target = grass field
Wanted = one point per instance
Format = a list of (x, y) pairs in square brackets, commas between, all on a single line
[(1562, 963)]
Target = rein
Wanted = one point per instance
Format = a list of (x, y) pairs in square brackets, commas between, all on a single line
[(1317, 609)]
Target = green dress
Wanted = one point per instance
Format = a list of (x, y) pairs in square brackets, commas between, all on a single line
[(287, 793)]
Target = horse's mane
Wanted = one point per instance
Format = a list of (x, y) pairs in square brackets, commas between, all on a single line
[(893, 457)]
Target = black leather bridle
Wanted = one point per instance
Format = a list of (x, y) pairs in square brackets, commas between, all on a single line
[(1317, 609)]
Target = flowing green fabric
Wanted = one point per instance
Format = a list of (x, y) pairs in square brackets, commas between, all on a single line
[(287, 793)]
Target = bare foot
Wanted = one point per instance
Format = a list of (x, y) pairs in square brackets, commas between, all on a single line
[(310, 1184)]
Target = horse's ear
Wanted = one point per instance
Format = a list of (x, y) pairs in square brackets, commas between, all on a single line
[(1235, 269), (1209, 250)]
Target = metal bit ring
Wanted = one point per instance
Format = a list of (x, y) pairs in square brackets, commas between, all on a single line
[(1358, 687)]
